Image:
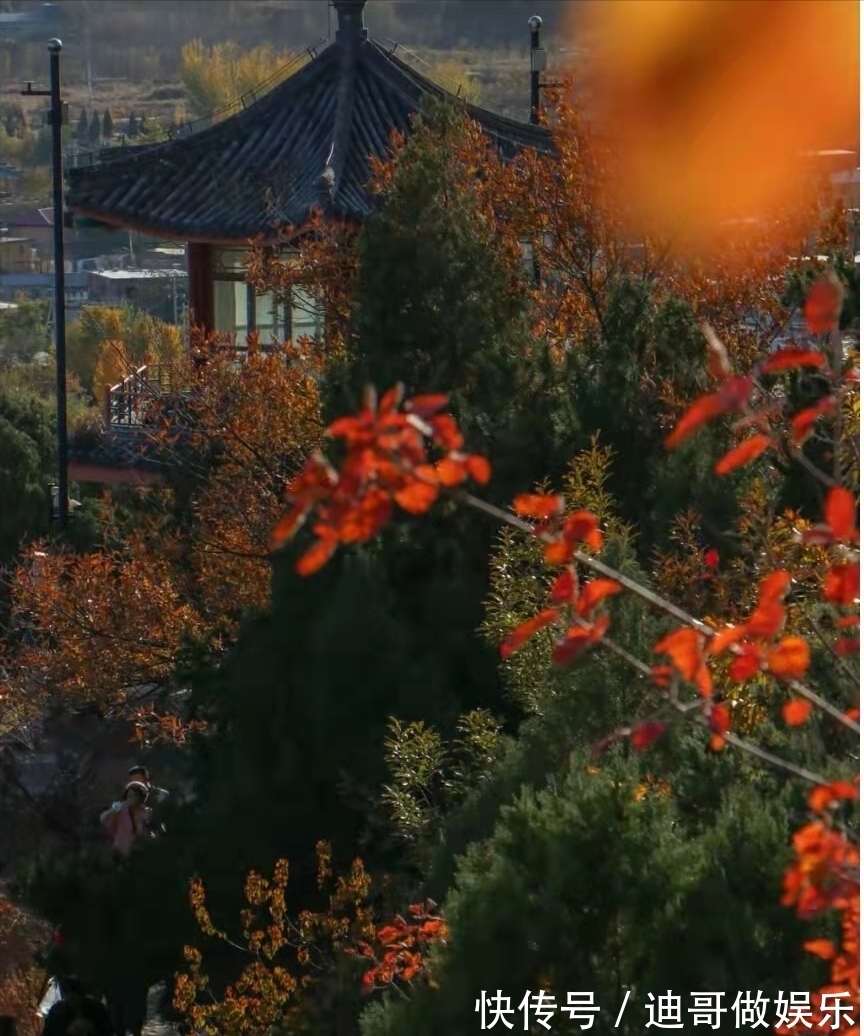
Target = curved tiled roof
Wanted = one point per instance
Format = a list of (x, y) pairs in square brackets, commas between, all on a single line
[(306, 143)]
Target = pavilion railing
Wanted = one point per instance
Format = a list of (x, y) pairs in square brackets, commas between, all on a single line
[(129, 403)]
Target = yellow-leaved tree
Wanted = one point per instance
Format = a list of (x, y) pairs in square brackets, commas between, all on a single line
[(215, 77)]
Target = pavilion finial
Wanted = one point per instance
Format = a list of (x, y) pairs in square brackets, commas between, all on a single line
[(349, 15)]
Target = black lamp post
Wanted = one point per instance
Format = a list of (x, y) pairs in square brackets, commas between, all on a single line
[(56, 119), (538, 65)]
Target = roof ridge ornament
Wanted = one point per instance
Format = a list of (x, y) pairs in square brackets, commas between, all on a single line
[(350, 27)]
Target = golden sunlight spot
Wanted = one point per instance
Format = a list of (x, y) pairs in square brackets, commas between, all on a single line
[(714, 105)]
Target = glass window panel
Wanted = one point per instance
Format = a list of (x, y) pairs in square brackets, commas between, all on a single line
[(306, 316), (266, 319), (230, 309), (228, 260)]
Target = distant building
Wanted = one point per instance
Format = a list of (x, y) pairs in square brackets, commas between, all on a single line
[(17, 255), (162, 293)]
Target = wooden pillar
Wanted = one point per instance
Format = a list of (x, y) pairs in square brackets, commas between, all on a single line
[(200, 286)]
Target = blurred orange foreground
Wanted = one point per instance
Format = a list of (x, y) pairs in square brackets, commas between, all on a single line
[(711, 104)]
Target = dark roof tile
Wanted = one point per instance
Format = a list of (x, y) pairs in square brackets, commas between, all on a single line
[(261, 170)]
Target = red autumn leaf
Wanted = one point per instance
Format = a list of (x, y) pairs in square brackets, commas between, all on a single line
[(804, 421), (797, 711), (558, 552), (446, 432), (578, 639), (391, 399), (840, 515), (661, 675), (718, 720), (563, 588), (450, 472), (540, 508), (425, 406), (286, 527), (789, 660), (732, 395), (725, 638), (852, 714), (745, 665), (842, 584), (712, 558), (786, 359), (526, 630), (773, 587), (389, 934), (644, 736), (766, 621), (417, 497), (717, 743), (823, 304), (743, 453), (701, 412), (582, 527), (478, 468), (827, 794), (822, 948), (316, 557), (684, 647), (594, 592), (848, 646)]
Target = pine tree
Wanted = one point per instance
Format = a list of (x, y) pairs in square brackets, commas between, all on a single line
[(95, 131), (83, 130), (132, 126), (107, 125)]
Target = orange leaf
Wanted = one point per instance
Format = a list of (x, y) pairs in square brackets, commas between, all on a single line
[(450, 471), (823, 948), (316, 557), (718, 720), (767, 620), (823, 304), (743, 453), (582, 527), (684, 647), (529, 505), (417, 497), (827, 794), (773, 587), (558, 552), (842, 584), (446, 432), (478, 468), (425, 406), (840, 514), (701, 412), (286, 527), (725, 638), (646, 734), (804, 421), (797, 711), (594, 592), (717, 743), (785, 359), (732, 395), (514, 640), (578, 639), (790, 659), (563, 588)]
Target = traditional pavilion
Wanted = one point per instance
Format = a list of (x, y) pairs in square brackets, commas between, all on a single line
[(305, 144)]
